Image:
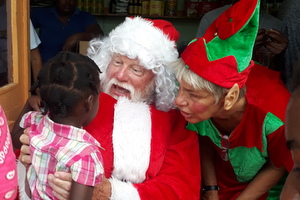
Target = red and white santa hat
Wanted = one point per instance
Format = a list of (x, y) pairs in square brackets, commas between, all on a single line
[(153, 42)]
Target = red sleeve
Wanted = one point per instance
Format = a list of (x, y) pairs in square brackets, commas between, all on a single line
[(278, 152), (179, 175)]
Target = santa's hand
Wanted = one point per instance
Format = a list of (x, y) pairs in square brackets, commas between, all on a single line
[(61, 183), (103, 190), (25, 157)]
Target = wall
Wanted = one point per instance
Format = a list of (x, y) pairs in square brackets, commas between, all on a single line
[(186, 27)]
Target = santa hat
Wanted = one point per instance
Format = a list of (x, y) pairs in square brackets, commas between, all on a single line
[(223, 55), (153, 42)]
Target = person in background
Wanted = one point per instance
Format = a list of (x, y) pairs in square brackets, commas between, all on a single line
[(233, 104), (69, 90), (149, 154), (8, 167), (271, 40), (35, 56), (62, 26), (289, 13), (291, 190)]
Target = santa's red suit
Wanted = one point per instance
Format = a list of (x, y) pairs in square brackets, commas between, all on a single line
[(148, 154)]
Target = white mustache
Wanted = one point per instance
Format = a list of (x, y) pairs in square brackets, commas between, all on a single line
[(135, 95), (126, 86)]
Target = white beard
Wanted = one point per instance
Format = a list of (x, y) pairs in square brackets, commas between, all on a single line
[(135, 95), (131, 140)]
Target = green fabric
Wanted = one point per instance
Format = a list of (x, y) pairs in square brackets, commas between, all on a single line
[(206, 128), (271, 123), (240, 45), (193, 40), (246, 162)]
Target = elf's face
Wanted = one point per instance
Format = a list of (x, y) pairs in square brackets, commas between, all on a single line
[(126, 77), (196, 105)]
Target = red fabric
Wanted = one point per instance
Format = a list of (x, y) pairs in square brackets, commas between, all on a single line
[(222, 72), (279, 154), (174, 169), (166, 27), (268, 91), (265, 93), (223, 55), (271, 95), (230, 21), (101, 129)]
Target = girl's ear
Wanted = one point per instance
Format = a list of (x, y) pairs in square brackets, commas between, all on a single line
[(89, 103), (231, 97)]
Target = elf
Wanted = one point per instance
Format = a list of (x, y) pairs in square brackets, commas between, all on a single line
[(237, 107)]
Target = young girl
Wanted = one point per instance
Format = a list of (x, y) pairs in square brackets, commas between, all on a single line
[(69, 89)]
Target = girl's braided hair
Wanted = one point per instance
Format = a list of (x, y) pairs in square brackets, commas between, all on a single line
[(66, 79)]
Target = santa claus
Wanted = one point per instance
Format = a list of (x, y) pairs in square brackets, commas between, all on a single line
[(148, 153)]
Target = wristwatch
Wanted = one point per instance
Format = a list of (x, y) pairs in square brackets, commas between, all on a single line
[(206, 188)]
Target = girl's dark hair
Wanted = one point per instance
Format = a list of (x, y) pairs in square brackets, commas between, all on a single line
[(66, 79)]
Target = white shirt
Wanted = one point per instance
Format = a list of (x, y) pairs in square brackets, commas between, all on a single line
[(34, 38)]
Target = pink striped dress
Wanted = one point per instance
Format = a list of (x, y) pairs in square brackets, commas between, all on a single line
[(57, 147)]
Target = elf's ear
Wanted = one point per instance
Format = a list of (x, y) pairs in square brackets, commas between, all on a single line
[(89, 103), (232, 97)]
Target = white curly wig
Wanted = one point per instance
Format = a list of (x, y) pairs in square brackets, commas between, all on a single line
[(141, 38)]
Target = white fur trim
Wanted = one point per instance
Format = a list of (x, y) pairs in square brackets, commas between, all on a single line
[(22, 175), (131, 140), (123, 190), (137, 37)]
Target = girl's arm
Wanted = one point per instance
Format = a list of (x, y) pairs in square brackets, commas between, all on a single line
[(208, 168), (79, 191), (266, 178)]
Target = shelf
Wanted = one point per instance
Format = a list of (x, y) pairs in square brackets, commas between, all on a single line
[(148, 16)]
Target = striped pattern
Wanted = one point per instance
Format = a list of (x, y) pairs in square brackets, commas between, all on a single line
[(57, 147)]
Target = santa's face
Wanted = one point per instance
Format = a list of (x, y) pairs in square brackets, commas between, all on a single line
[(126, 77)]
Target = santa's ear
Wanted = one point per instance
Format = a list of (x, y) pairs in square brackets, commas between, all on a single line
[(231, 97), (89, 103)]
